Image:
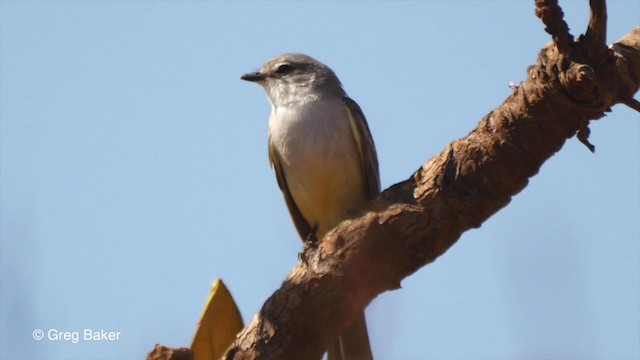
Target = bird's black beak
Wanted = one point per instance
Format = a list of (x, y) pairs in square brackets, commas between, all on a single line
[(253, 77)]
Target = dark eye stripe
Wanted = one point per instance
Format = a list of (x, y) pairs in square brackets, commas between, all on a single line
[(284, 69)]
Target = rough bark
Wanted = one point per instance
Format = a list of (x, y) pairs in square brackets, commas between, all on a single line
[(161, 352), (414, 222)]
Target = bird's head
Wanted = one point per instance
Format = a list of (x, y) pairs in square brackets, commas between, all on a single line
[(293, 78)]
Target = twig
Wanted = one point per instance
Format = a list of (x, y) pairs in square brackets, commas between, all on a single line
[(632, 103), (553, 18)]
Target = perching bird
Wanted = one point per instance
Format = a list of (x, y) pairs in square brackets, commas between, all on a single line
[(324, 158)]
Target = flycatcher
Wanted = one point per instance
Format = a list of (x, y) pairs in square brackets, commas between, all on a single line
[(324, 158)]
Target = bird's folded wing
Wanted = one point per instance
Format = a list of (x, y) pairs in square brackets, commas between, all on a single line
[(365, 146), (307, 233)]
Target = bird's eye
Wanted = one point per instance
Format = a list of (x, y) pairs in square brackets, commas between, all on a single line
[(284, 69)]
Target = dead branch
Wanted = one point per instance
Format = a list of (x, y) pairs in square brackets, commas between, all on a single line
[(412, 223)]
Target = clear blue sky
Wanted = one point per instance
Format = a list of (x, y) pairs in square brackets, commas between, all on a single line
[(134, 172)]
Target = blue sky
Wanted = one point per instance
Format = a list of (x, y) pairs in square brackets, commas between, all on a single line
[(133, 172)]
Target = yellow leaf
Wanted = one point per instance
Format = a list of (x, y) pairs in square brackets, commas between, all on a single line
[(219, 324)]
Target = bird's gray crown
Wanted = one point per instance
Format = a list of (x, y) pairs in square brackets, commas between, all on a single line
[(293, 78)]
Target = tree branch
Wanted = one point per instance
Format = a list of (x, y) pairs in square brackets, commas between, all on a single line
[(414, 222)]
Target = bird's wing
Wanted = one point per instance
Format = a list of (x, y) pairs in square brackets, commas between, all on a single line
[(306, 232), (365, 146)]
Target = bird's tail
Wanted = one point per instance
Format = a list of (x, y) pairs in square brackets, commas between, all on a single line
[(353, 343)]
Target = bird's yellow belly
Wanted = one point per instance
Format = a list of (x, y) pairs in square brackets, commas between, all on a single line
[(327, 194)]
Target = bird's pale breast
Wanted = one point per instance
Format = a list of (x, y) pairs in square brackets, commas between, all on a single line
[(320, 162)]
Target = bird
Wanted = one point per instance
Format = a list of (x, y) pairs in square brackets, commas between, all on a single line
[(324, 158)]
